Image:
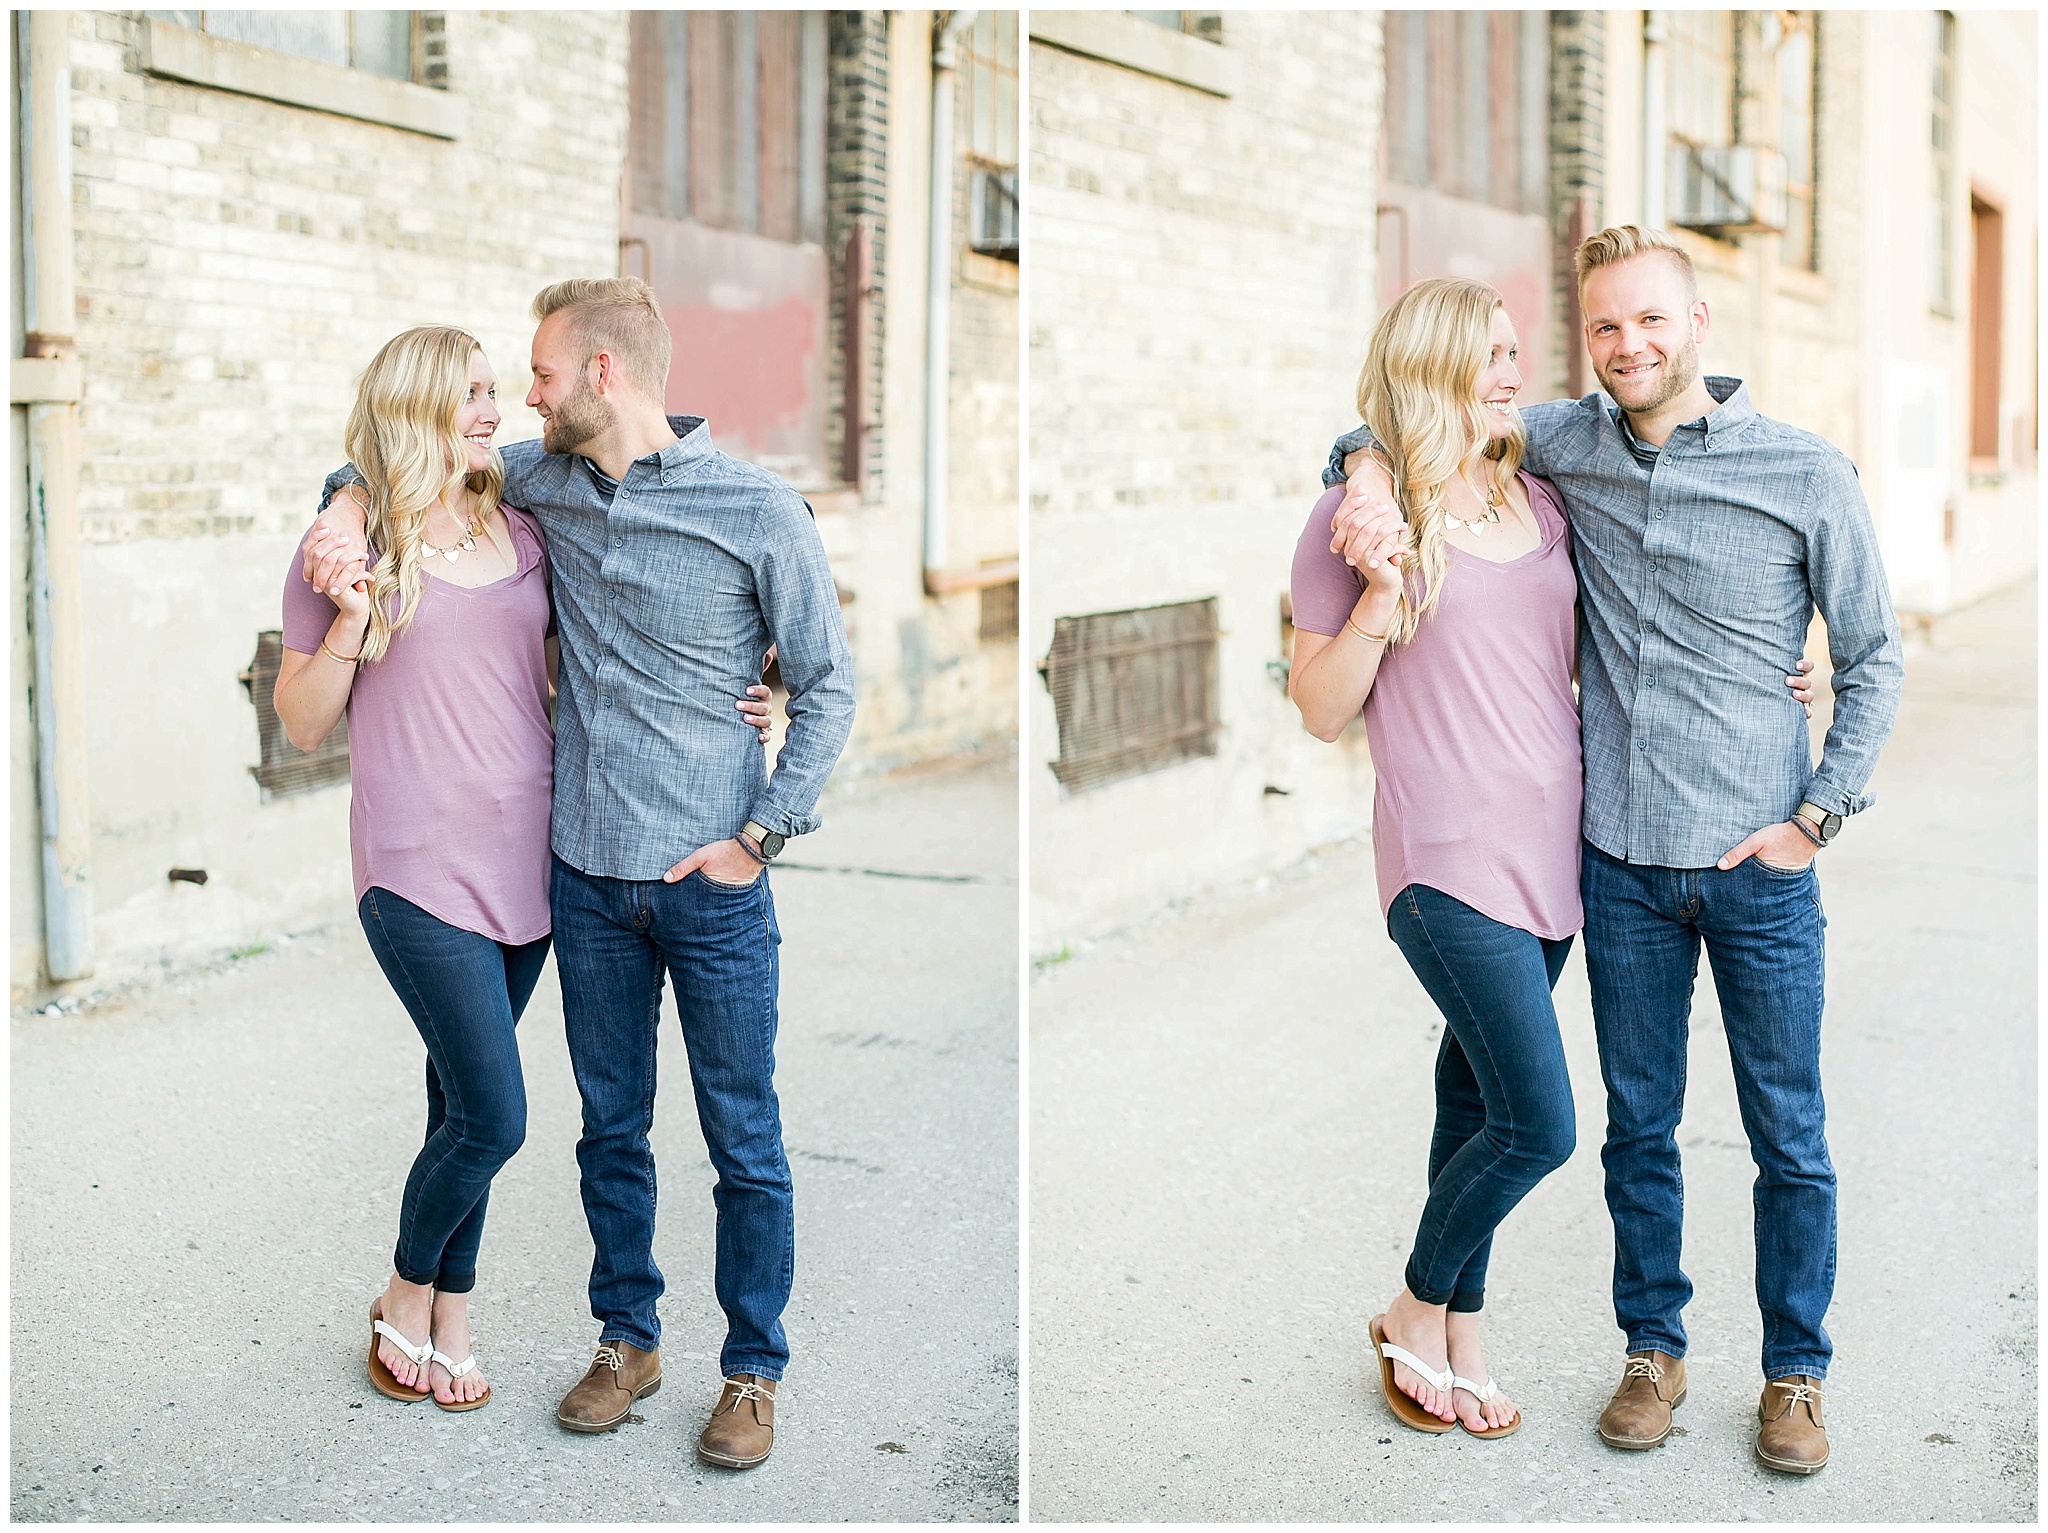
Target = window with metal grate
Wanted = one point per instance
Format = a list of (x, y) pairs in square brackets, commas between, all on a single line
[(286, 769), (999, 613), (1133, 691)]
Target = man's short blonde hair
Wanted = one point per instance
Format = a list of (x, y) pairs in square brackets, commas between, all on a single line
[(1624, 242), (618, 315)]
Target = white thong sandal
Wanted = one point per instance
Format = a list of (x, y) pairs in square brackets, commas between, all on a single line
[(382, 1379), (1483, 1393), (1406, 1408), (456, 1371)]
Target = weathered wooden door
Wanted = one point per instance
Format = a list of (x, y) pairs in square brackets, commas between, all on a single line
[(1466, 174), (725, 215)]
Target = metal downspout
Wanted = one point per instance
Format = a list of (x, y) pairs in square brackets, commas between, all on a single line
[(938, 304), (1656, 154), (55, 610)]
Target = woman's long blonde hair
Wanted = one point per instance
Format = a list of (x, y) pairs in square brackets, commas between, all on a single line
[(404, 440), (1419, 394)]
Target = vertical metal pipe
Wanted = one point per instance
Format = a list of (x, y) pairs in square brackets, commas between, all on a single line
[(857, 272), (746, 74), (1656, 137), (938, 298), (675, 117), (55, 611)]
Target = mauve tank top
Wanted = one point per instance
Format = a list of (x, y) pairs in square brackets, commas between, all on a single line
[(451, 758), (1473, 725)]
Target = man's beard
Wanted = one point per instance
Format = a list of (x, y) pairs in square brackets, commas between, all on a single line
[(1681, 370), (576, 420)]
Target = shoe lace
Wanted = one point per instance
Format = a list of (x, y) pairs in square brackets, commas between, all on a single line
[(746, 1389), (608, 1357), (1797, 1390), (1644, 1368)]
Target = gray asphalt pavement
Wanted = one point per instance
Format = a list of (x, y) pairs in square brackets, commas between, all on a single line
[(1230, 1116), (206, 1179)]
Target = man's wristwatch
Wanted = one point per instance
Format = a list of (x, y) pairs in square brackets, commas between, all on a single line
[(764, 843), (1819, 824)]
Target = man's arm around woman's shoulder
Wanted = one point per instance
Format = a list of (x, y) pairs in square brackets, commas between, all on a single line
[(1540, 427)]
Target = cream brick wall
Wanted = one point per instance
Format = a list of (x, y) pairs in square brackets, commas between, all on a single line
[(238, 262), (1201, 278)]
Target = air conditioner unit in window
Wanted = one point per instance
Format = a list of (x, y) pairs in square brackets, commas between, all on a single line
[(992, 213), (1734, 190)]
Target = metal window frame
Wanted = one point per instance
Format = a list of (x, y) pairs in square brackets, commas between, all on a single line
[(999, 606), (1134, 691), (993, 220), (413, 41), (286, 770)]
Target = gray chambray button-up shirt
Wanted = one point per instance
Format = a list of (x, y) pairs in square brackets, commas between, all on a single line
[(1699, 571), (666, 599)]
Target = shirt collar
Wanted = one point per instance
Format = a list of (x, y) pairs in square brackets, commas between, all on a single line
[(693, 441), (1732, 410), (1735, 410)]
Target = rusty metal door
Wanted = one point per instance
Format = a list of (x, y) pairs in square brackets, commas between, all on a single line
[(1464, 190), (724, 213)]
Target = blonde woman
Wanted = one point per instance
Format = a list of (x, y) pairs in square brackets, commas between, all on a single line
[(438, 647), (1454, 633)]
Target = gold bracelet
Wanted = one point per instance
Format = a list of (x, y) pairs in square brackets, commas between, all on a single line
[(1377, 638), (344, 659)]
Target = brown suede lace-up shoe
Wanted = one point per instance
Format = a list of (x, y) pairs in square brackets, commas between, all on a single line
[(1639, 1415), (742, 1427), (620, 1374), (1790, 1437)]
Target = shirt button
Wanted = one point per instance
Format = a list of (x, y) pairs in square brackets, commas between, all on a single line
[(1639, 746), (1651, 681), (1660, 516), (618, 542), (1653, 568)]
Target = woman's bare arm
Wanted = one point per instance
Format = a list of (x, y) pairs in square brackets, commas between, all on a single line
[(312, 690)]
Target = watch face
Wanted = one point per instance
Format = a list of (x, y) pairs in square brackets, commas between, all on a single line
[(772, 843)]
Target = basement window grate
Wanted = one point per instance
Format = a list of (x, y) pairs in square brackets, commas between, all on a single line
[(285, 768), (1133, 691), (999, 612)]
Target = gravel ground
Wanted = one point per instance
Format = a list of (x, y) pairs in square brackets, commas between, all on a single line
[(206, 1177), (1230, 1110)]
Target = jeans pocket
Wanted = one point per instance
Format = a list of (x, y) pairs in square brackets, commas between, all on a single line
[(725, 888), (1777, 872)]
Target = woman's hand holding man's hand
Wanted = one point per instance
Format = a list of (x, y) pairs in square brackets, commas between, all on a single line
[(337, 544), (1368, 529)]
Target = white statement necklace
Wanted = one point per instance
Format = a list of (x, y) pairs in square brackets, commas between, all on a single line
[(466, 544), (1489, 518)]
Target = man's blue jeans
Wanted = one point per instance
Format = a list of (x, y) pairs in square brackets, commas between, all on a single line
[(465, 993), (1763, 933), (1504, 1115), (614, 941)]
